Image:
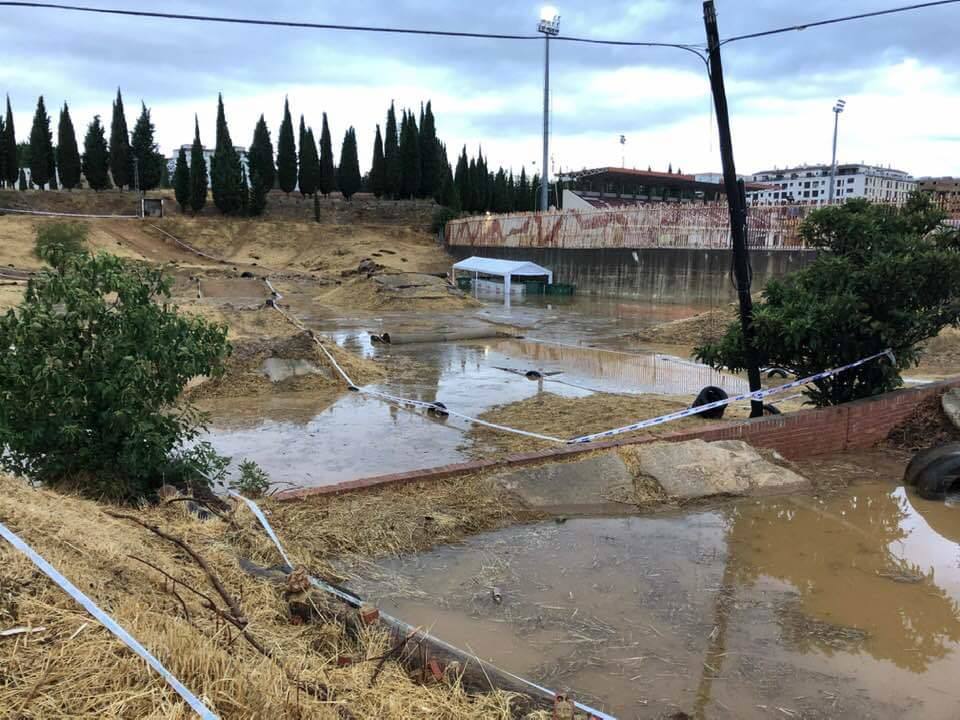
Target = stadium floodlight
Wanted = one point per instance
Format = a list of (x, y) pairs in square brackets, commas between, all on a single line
[(549, 25)]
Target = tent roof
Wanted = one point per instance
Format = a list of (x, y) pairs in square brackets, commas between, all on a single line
[(493, 266)]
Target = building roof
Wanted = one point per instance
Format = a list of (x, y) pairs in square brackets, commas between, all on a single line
[(628, 171), (503, 268)]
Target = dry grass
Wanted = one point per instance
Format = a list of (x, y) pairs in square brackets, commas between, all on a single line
[(365, 294), (75, 668), (689, 332)]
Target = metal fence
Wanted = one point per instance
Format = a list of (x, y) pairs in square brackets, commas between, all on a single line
[(661, 225)]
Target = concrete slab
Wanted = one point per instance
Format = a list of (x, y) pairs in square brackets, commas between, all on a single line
[(951, 406), (583, 486), (280, 369)]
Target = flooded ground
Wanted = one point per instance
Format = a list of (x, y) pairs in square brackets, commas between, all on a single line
[(310, 440), (842, 606)]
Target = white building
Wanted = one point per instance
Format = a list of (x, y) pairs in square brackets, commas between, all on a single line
[(810, 185), (207, 156)]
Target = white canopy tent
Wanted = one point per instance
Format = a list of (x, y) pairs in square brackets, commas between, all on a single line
[(501, 268)]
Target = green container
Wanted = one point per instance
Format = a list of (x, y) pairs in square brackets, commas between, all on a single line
[(560, 289), (535, 287), (465, 283)]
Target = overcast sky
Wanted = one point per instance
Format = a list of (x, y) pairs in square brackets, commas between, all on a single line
[(897, 73)]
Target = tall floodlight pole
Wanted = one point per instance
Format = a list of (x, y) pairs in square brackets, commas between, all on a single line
[(623, 154), (837, 109), (549, 25), (736, 200)]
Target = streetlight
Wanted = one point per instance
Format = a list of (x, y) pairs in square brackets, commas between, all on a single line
[(837, 109), (549, 25)]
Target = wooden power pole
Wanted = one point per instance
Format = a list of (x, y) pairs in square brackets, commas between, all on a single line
[(736, 199)]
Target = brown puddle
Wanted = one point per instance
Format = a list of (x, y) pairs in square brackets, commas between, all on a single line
[(844, 606)]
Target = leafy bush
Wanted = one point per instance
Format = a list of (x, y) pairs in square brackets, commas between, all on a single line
[(95, 359), (441, 216), (253, 481), (885, 277), (68, 237)]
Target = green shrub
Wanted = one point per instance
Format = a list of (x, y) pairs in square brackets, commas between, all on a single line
[(885, 277), (69, 237), (94, 361), (252, 482)]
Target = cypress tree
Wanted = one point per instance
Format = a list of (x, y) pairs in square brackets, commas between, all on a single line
[(286, 153), (121, 162), (303, 170), (181, 181), (328, 175), (377, 167), (391, 156), (443, 167), (244, 193), (258, 193), (520, 201), (226, 172), (511, 192), (449, 198), (198, 171), (260, 156), (3, 155), (149, 162), (68, 155), (431, 165), (96, 157), (498, 199), (475, 202), (462, 180), (9, 142), (165, 176), (349, 170), (533, 200), (409, 157), (41, 146), (22, 180)]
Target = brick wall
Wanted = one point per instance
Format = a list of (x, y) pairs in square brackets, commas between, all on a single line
[(854, 426)]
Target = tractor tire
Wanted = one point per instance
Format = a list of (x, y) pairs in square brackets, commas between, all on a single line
[(939, 478), (708, 395), (923, 459)]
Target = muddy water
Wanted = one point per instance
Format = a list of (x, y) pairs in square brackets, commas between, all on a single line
[(836, 607), (318, 440)]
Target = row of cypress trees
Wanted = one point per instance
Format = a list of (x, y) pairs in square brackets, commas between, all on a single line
[(409, 161), (127, 161)]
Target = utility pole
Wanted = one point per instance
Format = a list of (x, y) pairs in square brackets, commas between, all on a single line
[(549, 25), (837, 109), (736, 199)]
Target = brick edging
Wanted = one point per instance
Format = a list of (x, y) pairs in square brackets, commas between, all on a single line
[(856, 425)]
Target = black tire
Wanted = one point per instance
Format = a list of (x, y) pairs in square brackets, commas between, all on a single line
[(777, 372), (939, 478), (771, 410), (711, 394), (923, 459)]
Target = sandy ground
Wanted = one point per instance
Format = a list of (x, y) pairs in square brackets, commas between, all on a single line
[(71, 666), (366, 293)]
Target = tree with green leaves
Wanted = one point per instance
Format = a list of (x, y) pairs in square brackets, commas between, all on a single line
[(258, 194), (148, 162), (328, 174), (462, 181), (349, 171), (522, 198), (260, 156), (68, 154), (226, 170), (884, 277), (41, 146), (391, 156), (378, 179), (96, 156), (499, 202), (443, 167), (431, 169), (93, 392), (198, 171), (8, 139), (244, 193), (286, 153), (449, 197), (409, 157), (121, 161), (181, 181), (533, 200), (309, 161)]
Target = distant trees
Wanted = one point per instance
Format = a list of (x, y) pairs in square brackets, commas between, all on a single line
[(68, 155), (391, 155), (286, 153), (96, 157), (226, 172), (8, 141), (409, 157), (309, 174), (349, 171), (181, 181), (260, 155), (198, 171), (378, 178), (328, 175), (121, 162), (149, 163), (41, 147)]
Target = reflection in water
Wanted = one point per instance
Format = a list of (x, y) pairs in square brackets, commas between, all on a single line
[(845, 607)]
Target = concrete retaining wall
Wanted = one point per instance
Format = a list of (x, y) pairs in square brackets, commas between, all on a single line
[(672, 275), (855, 426)]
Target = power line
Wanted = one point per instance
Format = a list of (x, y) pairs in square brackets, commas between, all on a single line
[(834, 21)]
